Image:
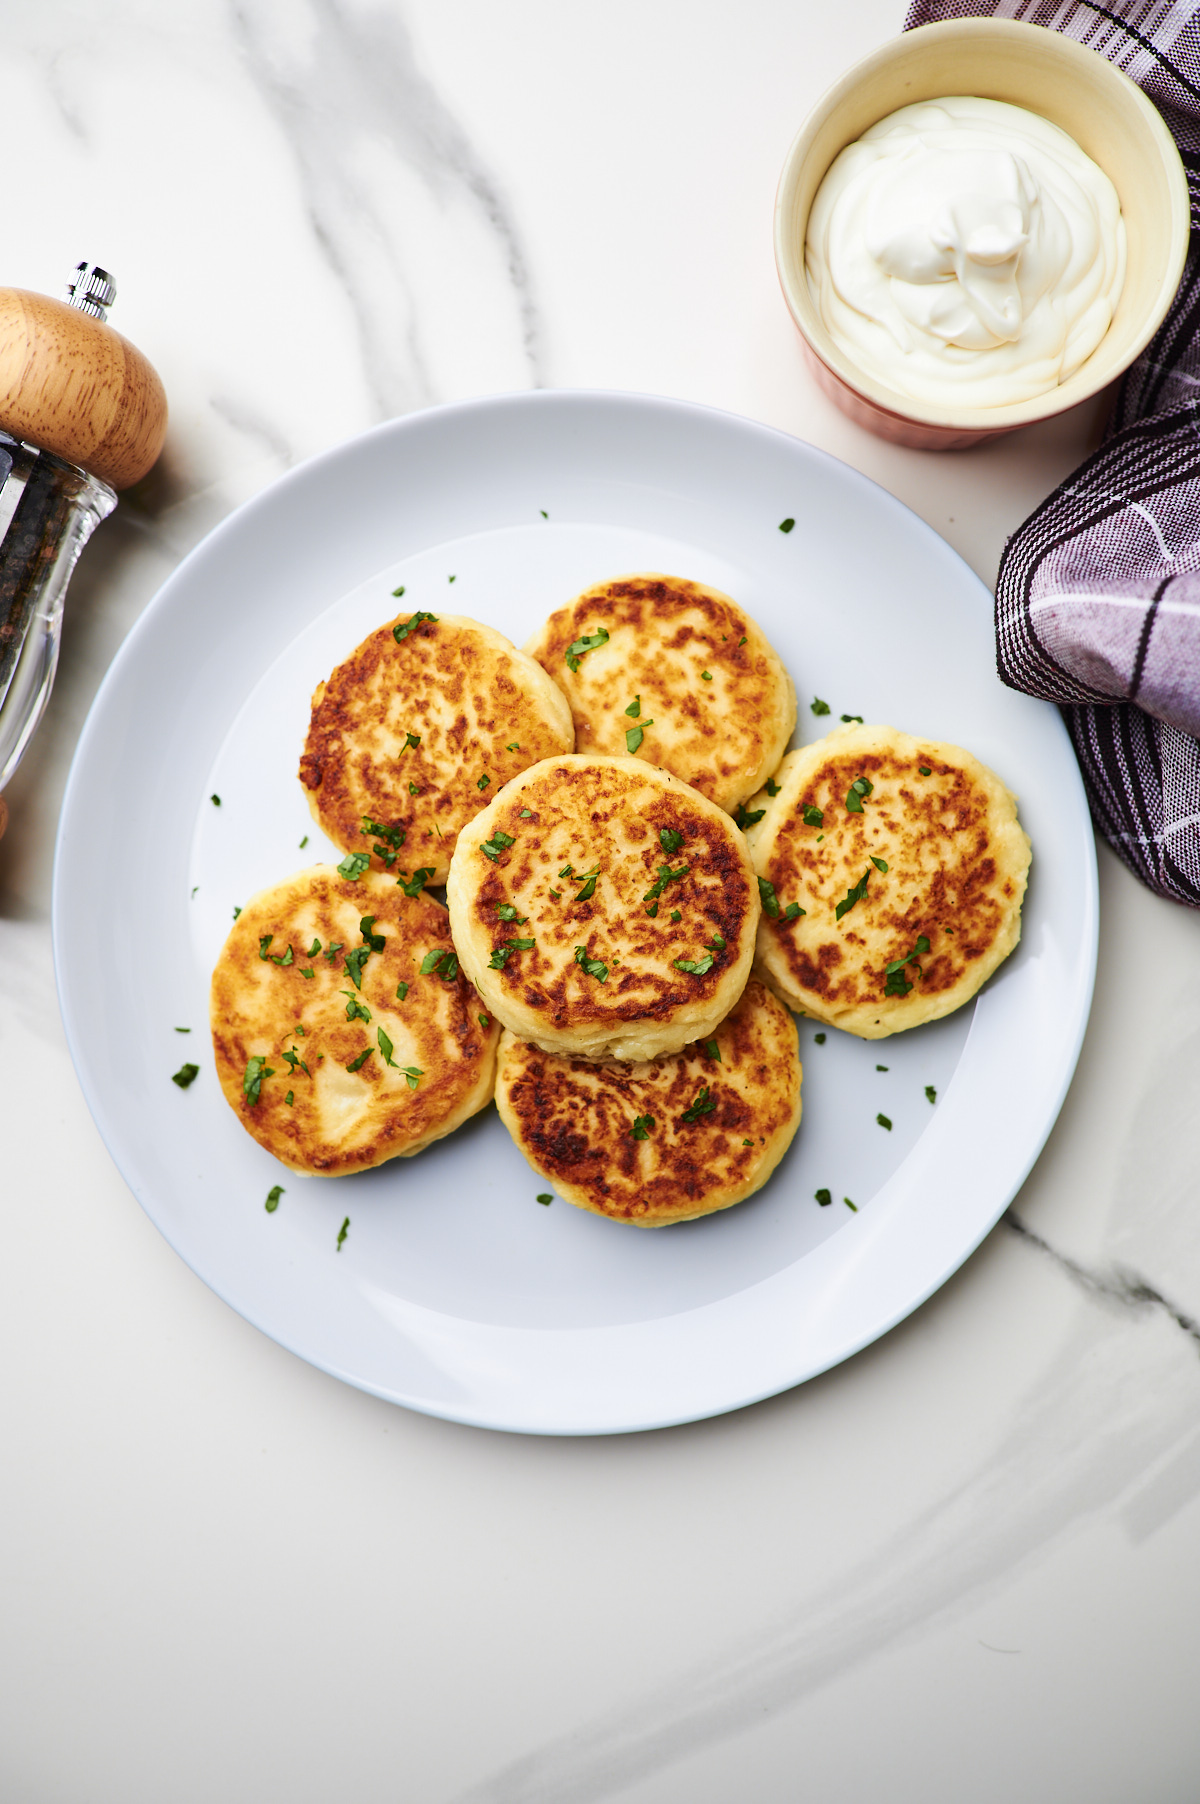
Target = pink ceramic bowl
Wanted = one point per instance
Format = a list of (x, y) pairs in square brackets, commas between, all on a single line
[(1108, 117)]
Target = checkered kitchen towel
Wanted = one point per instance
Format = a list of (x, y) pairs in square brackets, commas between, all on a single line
[(1098, 593)]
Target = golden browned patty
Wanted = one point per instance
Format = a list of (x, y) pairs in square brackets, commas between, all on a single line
[(327, 1065), (604, 908), (897, 869), (413, 735), (676, 674), (667, 1139)]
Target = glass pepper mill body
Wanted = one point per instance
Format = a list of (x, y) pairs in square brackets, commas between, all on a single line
[(82, 414)]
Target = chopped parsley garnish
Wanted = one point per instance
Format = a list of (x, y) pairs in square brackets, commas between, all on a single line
[(884, 1122), (813, 817), (398, 592), (634, 736), (924, 770), (342, 1233), (293, 1060), (641, 1127), (376, 830), (818, 706), (282, 958), (850, 717), (896, 983), (313, 949), (634, 708), (930, 1093), (820, 1039), (793, 911), (236, 913), (881, 1067), (588, 880), (485, 1021), (527, 814), (652, 910), (483, 782), (400, 633), (414, 789), (353, 865), (706, 676), (499, 842), (703, 1105), (215, 800), (544, 1198), (507, 912), (273, 1196), (860, 787), (401, 991), (331, 951), (366, 927), (354, 963), (502, 954), (695, 966), (411, 742), (568, 870), (543, 513), (358, 1063), (412, 1075), (824, 1197), (304, 842), (669, 839), (183, 1030), (412, 886), (186, 1074), (587, 643), (355, 1010), (768, 898), (853, 896), (452, 579), (747, 1143), (741, 641), (786, 525), (514, 747), (665, 875), (385, 1046), (746, 819), (290, 1098), (675, 914), (772, 787), (879, 863), (252, 1079), (444, 962), (850, 1205), (264, 942), (307, 971), (593, 966), (713, 1051)]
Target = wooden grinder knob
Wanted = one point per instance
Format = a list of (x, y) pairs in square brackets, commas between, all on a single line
[(72, 385)]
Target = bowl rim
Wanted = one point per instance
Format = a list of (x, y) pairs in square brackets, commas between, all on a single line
[(1008, 415)]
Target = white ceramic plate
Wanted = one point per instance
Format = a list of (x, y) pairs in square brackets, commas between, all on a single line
[(455, 1292)]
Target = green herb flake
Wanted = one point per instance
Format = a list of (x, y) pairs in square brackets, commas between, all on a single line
[(507, 912), (485, 1021), (307, 971), (706, 676), (400, 633), (183, 1030), (332, 950), (713, 1051), (282, 958), (768, 898), (665, 875), (652, 910), (879, 863), (849, 717), (499, 842), (397, 593), (881, 1067), (253, 1077), (514, 747), (354, 964), (850, 1205), (411, 742), (544, 1198), (412, 1075), (745, 818), (385, 1046), (820, 1039), (376, 830), (703, 1105), (431, 962), (818, 706), (930, 1093), (414, 789), (793, 911), (854, 795), (215, 800), (594, 967), (290, 1098), (896, 983), (342, 1233), (634, 736), (412, 886), (641, 1127), (669, 839), (675, 914), (187, 1074), (772, 787), (543, 513), (452, 579), (358, 1063), (884, 1122), (294, 1061), (236, 913), (483, 782), (747, 1143), (588, 880), (353, 865), (786, 525), (263, 944), (634, 708), (273, 1196), (853, 896), (401, 991), (924, 770), (697, 967), (502, 954), (527, 814), (824, 1197), (356, 1010), (588, 643), (741, 641), (304, 842)]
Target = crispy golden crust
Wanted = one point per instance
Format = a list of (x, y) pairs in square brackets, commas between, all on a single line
[(339, 1120), (724, 736), (480, 709), (574, 1118), (604, 815), (957, 861)]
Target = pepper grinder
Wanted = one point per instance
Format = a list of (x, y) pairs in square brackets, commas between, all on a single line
[(82, 414)]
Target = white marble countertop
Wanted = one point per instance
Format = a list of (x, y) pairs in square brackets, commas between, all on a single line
[(960, 1566)]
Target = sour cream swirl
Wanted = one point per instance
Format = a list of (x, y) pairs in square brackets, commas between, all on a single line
[(966, 253)]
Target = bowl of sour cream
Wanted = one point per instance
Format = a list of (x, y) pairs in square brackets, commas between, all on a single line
[(981, 225)]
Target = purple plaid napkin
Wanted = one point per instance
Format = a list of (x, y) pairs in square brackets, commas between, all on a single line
[(1098, 593)]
